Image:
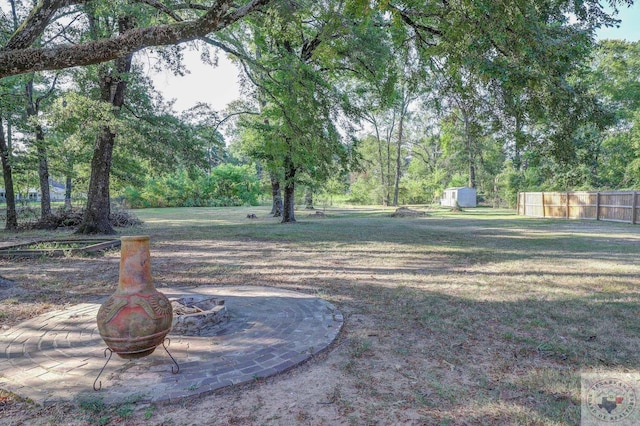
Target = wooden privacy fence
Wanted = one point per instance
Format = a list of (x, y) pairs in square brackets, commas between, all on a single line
[(618, 206)]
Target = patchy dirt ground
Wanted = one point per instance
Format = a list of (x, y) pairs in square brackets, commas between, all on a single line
[(454, 319)]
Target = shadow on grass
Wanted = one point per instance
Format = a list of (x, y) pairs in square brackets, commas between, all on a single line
[(488, 362), (479, 318)]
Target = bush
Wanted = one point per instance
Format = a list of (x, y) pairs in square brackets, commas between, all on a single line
[(227, 185), (362, 191)]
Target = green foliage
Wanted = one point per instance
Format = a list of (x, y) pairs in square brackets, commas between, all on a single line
[(512, 96), (612, 78), (363, 191), (416, 192), (632, 174), (508, 183), (297, 59), (233, 185), (151, 139), (227, 185), (596, 148), (95, 409), (458, 180), (333, 189)]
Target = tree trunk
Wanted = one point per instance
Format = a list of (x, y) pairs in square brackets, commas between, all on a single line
[(595, 155), (472, 174), (276, 195), (383, 180), (308, 199), (113, 86), (41, 149), (67, 193), (396, 184), (10, 196), (386, 201), (470, 149), (288, 213), (96, 216), (518, 145), (43, 174)]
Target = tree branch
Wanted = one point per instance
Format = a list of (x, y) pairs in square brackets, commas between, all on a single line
[(48, 92), (36, 22), (62, 31), (406, 18), (188, 5), (161, 7), (23, 60), (226, 49), (233, 115)]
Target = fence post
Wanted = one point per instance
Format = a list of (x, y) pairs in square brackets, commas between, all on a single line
[(544, 214), (634, 210), (567, 212), (598, 205)]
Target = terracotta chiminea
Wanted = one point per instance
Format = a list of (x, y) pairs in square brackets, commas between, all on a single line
[(137, 317)]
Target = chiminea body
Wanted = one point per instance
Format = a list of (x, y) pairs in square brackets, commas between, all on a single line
[(136, 318)]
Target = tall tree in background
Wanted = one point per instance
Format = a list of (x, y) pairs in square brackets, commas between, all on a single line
[(33, 108), (408, 90), (527, 48), (613, 79), (11, 223), (33, 101), (466, 103), (8, 86), (293, 69), (113, 85)]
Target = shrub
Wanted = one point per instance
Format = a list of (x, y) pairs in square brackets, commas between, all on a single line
[(226, 185)]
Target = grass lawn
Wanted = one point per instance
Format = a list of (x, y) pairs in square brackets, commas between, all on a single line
[(475, 317)]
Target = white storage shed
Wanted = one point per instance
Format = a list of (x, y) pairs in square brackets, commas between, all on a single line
[(462, 196)]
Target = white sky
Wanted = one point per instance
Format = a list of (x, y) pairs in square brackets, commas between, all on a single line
[(629, 27), (216, 86), (219, 86)]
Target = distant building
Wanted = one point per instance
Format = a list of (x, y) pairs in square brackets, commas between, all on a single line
[(462, 197), (56, 193), (33, 195), (57, 190)]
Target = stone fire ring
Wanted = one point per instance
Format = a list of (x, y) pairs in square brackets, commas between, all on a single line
[(57, 356)]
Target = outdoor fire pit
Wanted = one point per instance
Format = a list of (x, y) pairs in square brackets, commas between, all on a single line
[(136, 318), (198, 316)]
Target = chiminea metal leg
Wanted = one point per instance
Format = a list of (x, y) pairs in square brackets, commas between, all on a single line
[(103, 367), (168, 342)]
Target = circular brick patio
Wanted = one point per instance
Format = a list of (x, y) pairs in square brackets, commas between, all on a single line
[(57, 356)]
